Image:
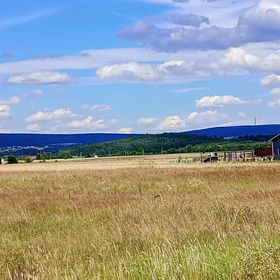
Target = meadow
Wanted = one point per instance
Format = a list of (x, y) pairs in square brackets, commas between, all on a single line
[(219, 221)]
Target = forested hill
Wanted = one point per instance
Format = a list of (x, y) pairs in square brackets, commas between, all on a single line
[(238, 131), (164, 143), (33, 144), (40, 140)]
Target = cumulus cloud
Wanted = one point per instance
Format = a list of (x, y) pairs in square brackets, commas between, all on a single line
[(275, 103), (219, 101), (40, 78), (97, 58), (151, 65), (12, 101), (200, 119), (275, 91), (275, 94), (271, 79), (134, 71), (147, 121), (251, 58), (125, 130), (260, 23), (5, 111), (130, 71), (47, 115), (33, 127), (241, 58), (206, 118), (172, 122), (91, 123)]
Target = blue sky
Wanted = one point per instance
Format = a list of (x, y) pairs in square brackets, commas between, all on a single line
[(138, 65)]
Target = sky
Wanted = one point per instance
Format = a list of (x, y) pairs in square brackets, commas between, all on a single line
[(138, 66)]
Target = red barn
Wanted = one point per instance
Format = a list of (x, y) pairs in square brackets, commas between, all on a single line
[(263, 152)]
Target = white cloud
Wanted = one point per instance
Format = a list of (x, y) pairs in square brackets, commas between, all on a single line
[(125, 130), (219, 101), (98, 108), (147, 121), (134, 71), (275, 103), (260, 23), (5, 111), (172, 122), (263, 60), (91, 123), (12, 101), (206, 118), (149, 65), (275, 94), (271, 79), (240, 57), (250, 58), (97, 58), (40, 78), (275, 91), (5, 106), (33, 127), (129, 71), (46, 115)]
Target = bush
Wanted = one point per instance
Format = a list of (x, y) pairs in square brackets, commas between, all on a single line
[(12, 160), (28, 160)]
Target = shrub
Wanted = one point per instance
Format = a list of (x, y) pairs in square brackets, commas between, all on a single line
[(28, 160), (12, 160)]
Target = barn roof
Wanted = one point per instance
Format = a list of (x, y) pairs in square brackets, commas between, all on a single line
[(277, 137)]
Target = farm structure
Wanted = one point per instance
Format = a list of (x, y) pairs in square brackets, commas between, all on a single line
[(263, 152), (213, 157), (239, 156), (276, 147), (256, 154)]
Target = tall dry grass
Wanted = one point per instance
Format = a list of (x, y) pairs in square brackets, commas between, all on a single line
[(174, 223)]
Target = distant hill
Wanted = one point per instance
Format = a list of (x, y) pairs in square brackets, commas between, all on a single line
[(162, 143), (239, 131), (30, 144), (7, 139)]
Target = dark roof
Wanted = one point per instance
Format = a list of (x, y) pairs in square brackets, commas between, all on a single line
[(275, 138)]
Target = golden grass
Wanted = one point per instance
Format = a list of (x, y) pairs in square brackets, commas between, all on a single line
[(219, 222)]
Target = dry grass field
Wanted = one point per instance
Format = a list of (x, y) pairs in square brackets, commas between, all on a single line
[(93, 220)]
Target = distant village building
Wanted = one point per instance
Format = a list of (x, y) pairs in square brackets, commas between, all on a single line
[(276, 146), (3, 160)]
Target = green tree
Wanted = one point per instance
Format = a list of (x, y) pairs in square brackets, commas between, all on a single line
[(12, 160)]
